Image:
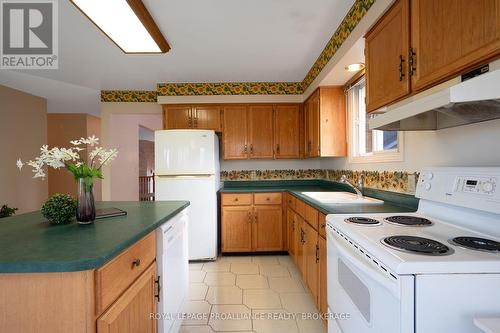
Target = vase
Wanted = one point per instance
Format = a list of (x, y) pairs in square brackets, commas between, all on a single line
[(85, 211)]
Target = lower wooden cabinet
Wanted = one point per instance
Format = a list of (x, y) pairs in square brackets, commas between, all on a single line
[(256, 227), (311, 260), (132, 311), (322, 300), (291, 231)]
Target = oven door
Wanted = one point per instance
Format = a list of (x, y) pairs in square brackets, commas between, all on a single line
[(362, 296)]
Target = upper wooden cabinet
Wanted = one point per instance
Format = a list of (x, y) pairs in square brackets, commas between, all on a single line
[(260, 131), (325, 123), (420, 43), (287, 134), (235, 132), (192, 116), (386, 51), (450, 36)]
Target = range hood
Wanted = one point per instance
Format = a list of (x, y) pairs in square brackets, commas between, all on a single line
[(452, 104)]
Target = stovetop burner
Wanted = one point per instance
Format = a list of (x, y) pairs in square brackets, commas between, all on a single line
[(476, 243), (362, 221), (417, 245), (406, 220)]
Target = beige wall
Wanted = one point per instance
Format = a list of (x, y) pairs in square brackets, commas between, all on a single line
[(61, 128), (23, 130)]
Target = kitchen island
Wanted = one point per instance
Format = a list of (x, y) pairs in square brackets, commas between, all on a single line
[(81, 278)]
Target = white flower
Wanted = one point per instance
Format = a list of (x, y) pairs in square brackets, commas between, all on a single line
[(75, 142), (78, 164), (19, 164), (92, 140)]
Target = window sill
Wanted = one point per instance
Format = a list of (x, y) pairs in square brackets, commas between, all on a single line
[(378, 158)]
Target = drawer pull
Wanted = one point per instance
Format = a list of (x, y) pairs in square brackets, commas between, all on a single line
[(136, 263), (235, 199), (323, 225), (268, 199)]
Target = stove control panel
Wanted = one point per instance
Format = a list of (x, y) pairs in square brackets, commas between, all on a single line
[(479, 185)]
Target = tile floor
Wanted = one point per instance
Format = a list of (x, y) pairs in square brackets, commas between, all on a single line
[(261, 294)]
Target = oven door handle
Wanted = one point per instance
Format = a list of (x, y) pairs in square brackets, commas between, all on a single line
[(367, 270)]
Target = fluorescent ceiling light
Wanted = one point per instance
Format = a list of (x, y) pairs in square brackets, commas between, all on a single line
[(127, 23), (355, 67)]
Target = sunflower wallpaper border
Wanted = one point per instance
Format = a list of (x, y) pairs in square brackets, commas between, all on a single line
[(229, 88), (394, 181), (130, 96)]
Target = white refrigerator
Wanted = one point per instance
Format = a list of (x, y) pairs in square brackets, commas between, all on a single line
[(187, 168)]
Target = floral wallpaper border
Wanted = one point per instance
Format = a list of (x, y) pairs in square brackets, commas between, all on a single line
[(229, 88), (146, 96), (395, 181)]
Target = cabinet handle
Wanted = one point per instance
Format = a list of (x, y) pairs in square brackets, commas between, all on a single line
[(401, 73), (309, 145), (411, 61), (249, 217), (323, 225), (195, 122), (245, 148), (136, 263), (302, 234), (268, 199), (158, 288), (251, 148), (190, 121), (255, 217), (317, 253), (278, 149), (235, 199)]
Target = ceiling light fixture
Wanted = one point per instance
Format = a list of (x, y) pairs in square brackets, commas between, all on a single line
[(355, 67), (127, 23)]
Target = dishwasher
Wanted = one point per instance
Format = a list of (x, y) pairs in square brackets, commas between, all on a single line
[(173, 270)]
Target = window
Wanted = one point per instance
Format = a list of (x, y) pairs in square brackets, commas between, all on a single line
[(368, 145)]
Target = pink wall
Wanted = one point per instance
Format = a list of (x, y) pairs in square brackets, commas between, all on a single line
[(124, 135)]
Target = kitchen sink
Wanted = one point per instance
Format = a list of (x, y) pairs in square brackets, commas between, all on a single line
[(341, 198)]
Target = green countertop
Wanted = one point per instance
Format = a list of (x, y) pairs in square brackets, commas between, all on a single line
[(393, 202), (28, 243)]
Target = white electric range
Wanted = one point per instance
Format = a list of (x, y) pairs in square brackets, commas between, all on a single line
[(432, 271)]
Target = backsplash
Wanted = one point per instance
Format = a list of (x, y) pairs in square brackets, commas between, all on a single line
[(395, 181)]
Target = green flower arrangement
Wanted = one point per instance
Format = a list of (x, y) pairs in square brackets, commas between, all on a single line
[(59, 208), (6, 211)]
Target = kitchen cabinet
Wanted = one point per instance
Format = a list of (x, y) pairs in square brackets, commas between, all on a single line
[(418, 44), (325, 123), (287, 133), (255, 227), (192, 116), (235, 145), (260, 131), (450, 36), (386, 52), (131, 311)]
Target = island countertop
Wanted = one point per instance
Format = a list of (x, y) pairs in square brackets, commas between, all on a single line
[(28, 243)]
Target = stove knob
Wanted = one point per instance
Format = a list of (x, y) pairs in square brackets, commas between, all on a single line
[(430, 175), (428, 186), (489, 187)]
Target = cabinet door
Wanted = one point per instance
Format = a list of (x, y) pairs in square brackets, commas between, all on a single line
[(312, 125), (177, 117), (312, 260), (260, 121), (207, 117), (449, 36), (268, 228), (323, 305), (299, 247), (235, 132), (386, 48), (287, 131), (131, 312), (236, 228), (290, 219)]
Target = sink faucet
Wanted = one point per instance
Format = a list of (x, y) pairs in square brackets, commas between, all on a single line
[(361, 184)]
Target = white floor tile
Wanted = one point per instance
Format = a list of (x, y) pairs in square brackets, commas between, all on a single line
[(224, 295), (311, 326), (274, 270), (252, 281), (298, 302), (197, 291), (195, 266), (285, 285), (196, 276), (274, 321), (197, 311), (244, 268), (220, 279), (216, 266), (266, 260), (236, 259), (226, 318), (261, 299), (196, 329)]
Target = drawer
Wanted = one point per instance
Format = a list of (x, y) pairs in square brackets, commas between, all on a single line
[(322, 225), (311, 216), (116, 276), (300, 208), (267, 198), (237, 199), (290, 201)]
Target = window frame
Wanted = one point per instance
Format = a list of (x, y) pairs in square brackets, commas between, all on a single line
[(354, 156)]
